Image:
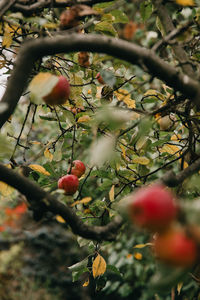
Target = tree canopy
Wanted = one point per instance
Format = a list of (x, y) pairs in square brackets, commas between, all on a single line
[(129, 113)]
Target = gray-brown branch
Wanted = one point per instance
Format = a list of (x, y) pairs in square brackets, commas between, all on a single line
[(39, 5), (42, 200), (5, 5), (169, 27), (172, 180), (33, 50)]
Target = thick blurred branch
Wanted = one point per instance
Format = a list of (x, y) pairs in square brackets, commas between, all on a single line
[(33, 50), (29, 9), (43, 201), (5, 5)]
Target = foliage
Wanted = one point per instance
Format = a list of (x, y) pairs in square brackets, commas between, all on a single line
[(117, 129)]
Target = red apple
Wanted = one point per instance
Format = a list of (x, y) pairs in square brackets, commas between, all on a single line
[(60, 93), (174, 247), (99, 78), (153, 207), (69, 183), (78, 168)]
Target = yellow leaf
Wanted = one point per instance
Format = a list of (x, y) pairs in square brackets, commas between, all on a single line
[(98, 266), (86, 283), (34, 142), (82, 201), (48, 154), (123, 95), (129, 102), (129, 256), (154, 93), (84, 119), (141, 160), (39, 169), (179, 287), (87, 211), (123, 151), (171, 149), (7, 38), (60, 219), (5, 189), (185, 2), (139, 246), (138, 256), (175, 137), (151, 93), (112, 193)]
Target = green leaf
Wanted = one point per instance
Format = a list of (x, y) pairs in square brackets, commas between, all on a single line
[(120, 16), (114, 269), (160, 26), (104, 4), (76, 275), (108, 77), (145, 10), (106, 28), (79, 266), (6, 147)]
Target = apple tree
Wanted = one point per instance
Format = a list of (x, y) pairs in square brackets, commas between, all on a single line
[(100, 137)]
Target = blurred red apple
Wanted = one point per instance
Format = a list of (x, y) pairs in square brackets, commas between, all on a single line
[(153, 207), (174, 247)]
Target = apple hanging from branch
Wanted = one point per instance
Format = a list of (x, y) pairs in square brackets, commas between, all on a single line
[(69, 183), (78, 168), (60, 93), (49, 88)]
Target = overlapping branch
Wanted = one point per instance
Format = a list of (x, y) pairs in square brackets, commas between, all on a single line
[(33, 50), (29, 9), (43, 201), (172, 180), (5, 5)]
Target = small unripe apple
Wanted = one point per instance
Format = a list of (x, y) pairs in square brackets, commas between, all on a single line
[(152, 207), (69, 183), (174, 247), (78, 168), (60, 93), (99, 78)]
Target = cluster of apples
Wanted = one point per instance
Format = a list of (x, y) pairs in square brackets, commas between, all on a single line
[(69, 183), (154, 208)]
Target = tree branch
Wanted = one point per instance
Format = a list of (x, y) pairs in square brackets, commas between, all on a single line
[(172, 180), (32, 50), (43, 201), (5, 5), (169, 27), (38, 6)]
